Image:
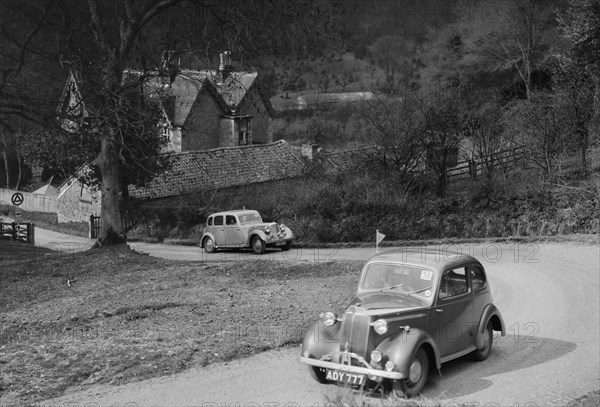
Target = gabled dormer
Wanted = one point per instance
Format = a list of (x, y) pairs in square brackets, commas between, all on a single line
[(71, 110)]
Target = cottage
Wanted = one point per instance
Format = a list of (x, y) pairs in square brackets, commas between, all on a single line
[(201, 109), (206, 109), (76, 199)]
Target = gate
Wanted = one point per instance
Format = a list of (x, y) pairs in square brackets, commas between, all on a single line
[(20, 232), (95, 226)]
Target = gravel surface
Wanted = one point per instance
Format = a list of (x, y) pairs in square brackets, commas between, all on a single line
[(548, 294)]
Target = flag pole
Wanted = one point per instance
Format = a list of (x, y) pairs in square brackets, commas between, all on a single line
[(378, 238)]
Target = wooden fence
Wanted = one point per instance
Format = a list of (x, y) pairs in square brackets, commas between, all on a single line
[(21, 232), (95, 224), (474, 168)]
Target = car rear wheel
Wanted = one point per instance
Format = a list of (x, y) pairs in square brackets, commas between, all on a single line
[(483, 353), (417, 376), (258, 245), (209, 245)]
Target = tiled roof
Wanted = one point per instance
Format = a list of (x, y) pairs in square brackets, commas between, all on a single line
[(234, 88), (188, 83), (223, 167), (333, 98)]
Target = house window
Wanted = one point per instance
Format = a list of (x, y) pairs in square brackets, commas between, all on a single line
[(164, 132), (245, 131)]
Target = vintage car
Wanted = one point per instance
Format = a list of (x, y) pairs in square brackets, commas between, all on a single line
[(411, 313), (244, 228)]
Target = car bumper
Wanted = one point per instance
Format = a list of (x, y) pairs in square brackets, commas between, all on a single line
[(351, 369)]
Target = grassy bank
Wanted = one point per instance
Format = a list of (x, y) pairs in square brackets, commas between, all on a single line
[(45, 220), (116, 316)]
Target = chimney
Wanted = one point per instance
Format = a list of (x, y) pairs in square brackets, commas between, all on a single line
[(169, 64), (225, 66), (311, 151)]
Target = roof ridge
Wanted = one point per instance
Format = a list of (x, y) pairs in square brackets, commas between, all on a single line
[(194, 152)]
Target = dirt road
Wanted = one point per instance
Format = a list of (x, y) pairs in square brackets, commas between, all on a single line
[(549, 297)]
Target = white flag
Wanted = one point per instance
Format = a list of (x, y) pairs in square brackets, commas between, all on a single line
[(379, 236)]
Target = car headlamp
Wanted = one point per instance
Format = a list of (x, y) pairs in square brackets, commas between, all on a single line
[(267, 229), (376, 356), (380, 326), (328, 318)]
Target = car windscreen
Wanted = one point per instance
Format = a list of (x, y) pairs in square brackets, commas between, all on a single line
[(250, 218), (407, 279)]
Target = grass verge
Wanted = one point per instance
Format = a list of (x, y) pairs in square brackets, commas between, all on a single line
[(46, 221), (115, 316)]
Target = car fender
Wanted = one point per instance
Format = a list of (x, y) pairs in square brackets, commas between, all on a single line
[(490, 312), (208, 234), (401, 348), (288, 233), (256, 232), (322, 340)]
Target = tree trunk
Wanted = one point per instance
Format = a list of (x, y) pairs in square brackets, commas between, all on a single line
[(112, 231), (6, 168), (20, 164)]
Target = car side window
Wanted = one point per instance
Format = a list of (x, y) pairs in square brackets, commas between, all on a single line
[(210, 221), (477, 278), (230, 220), (218, 220), (453, 283)]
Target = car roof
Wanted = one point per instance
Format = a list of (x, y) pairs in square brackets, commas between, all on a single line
[(235, 212), (435, 259)]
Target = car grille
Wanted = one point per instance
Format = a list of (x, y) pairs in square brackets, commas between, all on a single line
[(356, 328)]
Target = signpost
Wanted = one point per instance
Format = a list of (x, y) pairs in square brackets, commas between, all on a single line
[(17, 199)]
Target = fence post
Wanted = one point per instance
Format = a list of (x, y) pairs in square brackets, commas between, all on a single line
[(31, 233), (91, 234), (14, 231)]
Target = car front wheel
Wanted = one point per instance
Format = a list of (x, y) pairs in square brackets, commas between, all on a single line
[(258, 245), (317, 373), (286, 246), (209, 245), (412, 385), (483, 353)]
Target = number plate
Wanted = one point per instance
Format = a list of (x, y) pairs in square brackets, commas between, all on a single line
[(343, 377)]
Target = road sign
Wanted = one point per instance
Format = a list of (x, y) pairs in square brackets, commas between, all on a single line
[(17, 198)]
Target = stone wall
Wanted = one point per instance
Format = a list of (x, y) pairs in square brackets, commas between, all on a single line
[(77, 202), (31, 202), (262, 123), (201, 128)]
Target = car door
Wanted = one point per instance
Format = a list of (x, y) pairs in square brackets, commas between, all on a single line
[(452, 315), (219, 230), (232, 232)]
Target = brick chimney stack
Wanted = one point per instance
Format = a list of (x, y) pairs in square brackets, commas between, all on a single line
[(225, 66)]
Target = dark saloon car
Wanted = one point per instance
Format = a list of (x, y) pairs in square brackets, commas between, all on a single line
[(411, 313)]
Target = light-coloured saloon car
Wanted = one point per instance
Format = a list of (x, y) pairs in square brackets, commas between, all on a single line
[(244, 228)]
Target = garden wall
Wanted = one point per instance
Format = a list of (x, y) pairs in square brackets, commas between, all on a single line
[(31, 202)]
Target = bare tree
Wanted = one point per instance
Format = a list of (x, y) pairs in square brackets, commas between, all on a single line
[(539, 126), (393, 125), (504, 36)]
